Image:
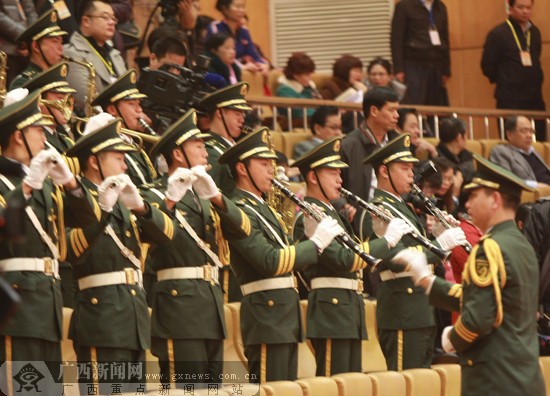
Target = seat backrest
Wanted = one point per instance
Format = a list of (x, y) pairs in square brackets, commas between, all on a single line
[(320, 79), (474, 146), (547, 153), (388, 383), (539, 148), (450, 375), (272, 78), (372, 357), (235, 308), (255, 82), (306, 361), (232, 360), (422, 382), (291, 138), (318, 386), (277, 140), (282, 388), (353, 384), (488, 145)]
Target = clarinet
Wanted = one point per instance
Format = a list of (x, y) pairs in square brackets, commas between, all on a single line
[(430, 207), (376, 211), (146, 127), (343, 239)]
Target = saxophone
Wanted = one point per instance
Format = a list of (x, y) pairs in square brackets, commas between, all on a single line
[(91, 91), (3, 80)]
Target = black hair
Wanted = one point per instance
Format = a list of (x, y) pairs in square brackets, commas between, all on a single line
[(252, 119), (511, 3), (386, 64), (221, 4), (450, 128), (168, 45), (523, 211), (87, 7), (378, 97), (298, 63), (510, 124), (216, 40), (321, 114), (403, 113)]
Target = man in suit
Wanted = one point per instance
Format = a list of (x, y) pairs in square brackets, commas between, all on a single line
[(263, 264), (497, 301), (406, 324), (188, 325), (326, 123), (31, 264), (44, 41), (519, 156), (110, 322), (92, 44), (336, 312)]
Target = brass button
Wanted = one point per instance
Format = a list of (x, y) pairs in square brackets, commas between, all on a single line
[(270, 303), (174, 292), (334, 300), (208, 245), (128, 233), (94, 301), (50, 218), (409, 290), (207, 228), (15, 285), (470, 362), (133, 292)]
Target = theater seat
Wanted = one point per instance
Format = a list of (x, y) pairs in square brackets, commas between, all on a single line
[(232, 362), (277, 141), (545, 367), (282, 388), (242, 390), (488, 145), (372, 357), (450, 378), (68, 354), (290, 139), (255, 82), (388, 383), (235, 308), (318, 386), (353, 384), (474, 146), (422, 382), (306, 361)]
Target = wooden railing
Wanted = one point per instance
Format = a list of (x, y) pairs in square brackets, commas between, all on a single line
[(482, 123)]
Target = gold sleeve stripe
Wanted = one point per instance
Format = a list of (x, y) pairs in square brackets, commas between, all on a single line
[(3, 202), (357, 262), (76, 244), (292, 258), (245, 223), (282, 261), (82, 239), (287, 261), (455, 291), (463, 332), (168, 226), (96, 209), (61, 231)]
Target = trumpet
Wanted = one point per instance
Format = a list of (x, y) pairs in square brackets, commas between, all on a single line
[(376, 211), (430, 207), (90, 85), (139, 136), (344, 239), (62, 105)]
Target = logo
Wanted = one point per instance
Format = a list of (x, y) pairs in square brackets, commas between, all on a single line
[(28, 378), (53, 17), (265, 137), (195, 118), (244, 89), (63, 71), (133, 77), (407, 141), (336, 146)]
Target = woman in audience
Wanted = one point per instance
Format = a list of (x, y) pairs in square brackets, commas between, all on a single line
[(220, 48), (408, 123), (346, 84), (380, 74)]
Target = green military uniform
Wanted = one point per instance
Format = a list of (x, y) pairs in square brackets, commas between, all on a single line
[(30, 265), (496, 332), (111, 319), (188, 324), (45, 26), (263, 264), (336, 311), (231, 97), (405, 319)]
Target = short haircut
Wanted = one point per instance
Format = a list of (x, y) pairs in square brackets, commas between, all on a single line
[(320, 116), (168, 45), (215, 41), (403, 113), (386, 64), (222, 4), (298, 63), (88, 7), (450, 128), (343, 65), (510, 124), (511, 3), (378, 97)]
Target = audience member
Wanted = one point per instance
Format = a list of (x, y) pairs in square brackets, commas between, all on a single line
[(420, 50), (91, 44), (511, 60), (201, 32), (220, 48), (167, 51), (15, 17), (519, 156), (326, 123), (234, 24), (408, 123), (452, 145), (380, 74), (346, 84)]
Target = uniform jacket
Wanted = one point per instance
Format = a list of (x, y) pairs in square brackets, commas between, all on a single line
[(497, 358), (271, 316), (215, 146), (113, 316), (28, 74), (512, 160), (41, 294), (140, 167), (401, 304), (192, 308), (12, 24), (80, 49)]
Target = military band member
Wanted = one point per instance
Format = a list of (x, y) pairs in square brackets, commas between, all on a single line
[(406, 324), (336, 311), (31, 265), (110, 322), (496, 333), (188, 325), (45, 45), (263, 264)]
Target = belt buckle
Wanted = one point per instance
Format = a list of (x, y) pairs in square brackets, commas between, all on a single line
[(359, 286), (48, 266), (207, 272), (130, 276)]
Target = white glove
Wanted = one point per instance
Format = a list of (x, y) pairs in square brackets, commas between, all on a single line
[(129, 196), (325, 232), (446, 341), (15, 95), (439, 228), (415, 262), (204, 185), (395, 231), (379, 226), (60, 172), (451, 238), (310, 225), (97, 121), (179, 183), (108, 192), (40, 166)]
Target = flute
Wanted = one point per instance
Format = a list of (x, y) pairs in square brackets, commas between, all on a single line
[(376, 211), (343, 239)]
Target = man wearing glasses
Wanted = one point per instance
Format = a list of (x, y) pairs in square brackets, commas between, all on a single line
[(93, 44), (326, 123)]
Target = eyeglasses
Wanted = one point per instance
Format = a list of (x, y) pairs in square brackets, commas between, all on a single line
[(105, 17), (526, 130), (334, 127)]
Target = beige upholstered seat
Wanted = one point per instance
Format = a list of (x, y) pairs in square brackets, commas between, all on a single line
[(450, 375), (353, 384), (318, 386), (388, 383), (282, 388), (422, 382), (545, 367), (372, 357)]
